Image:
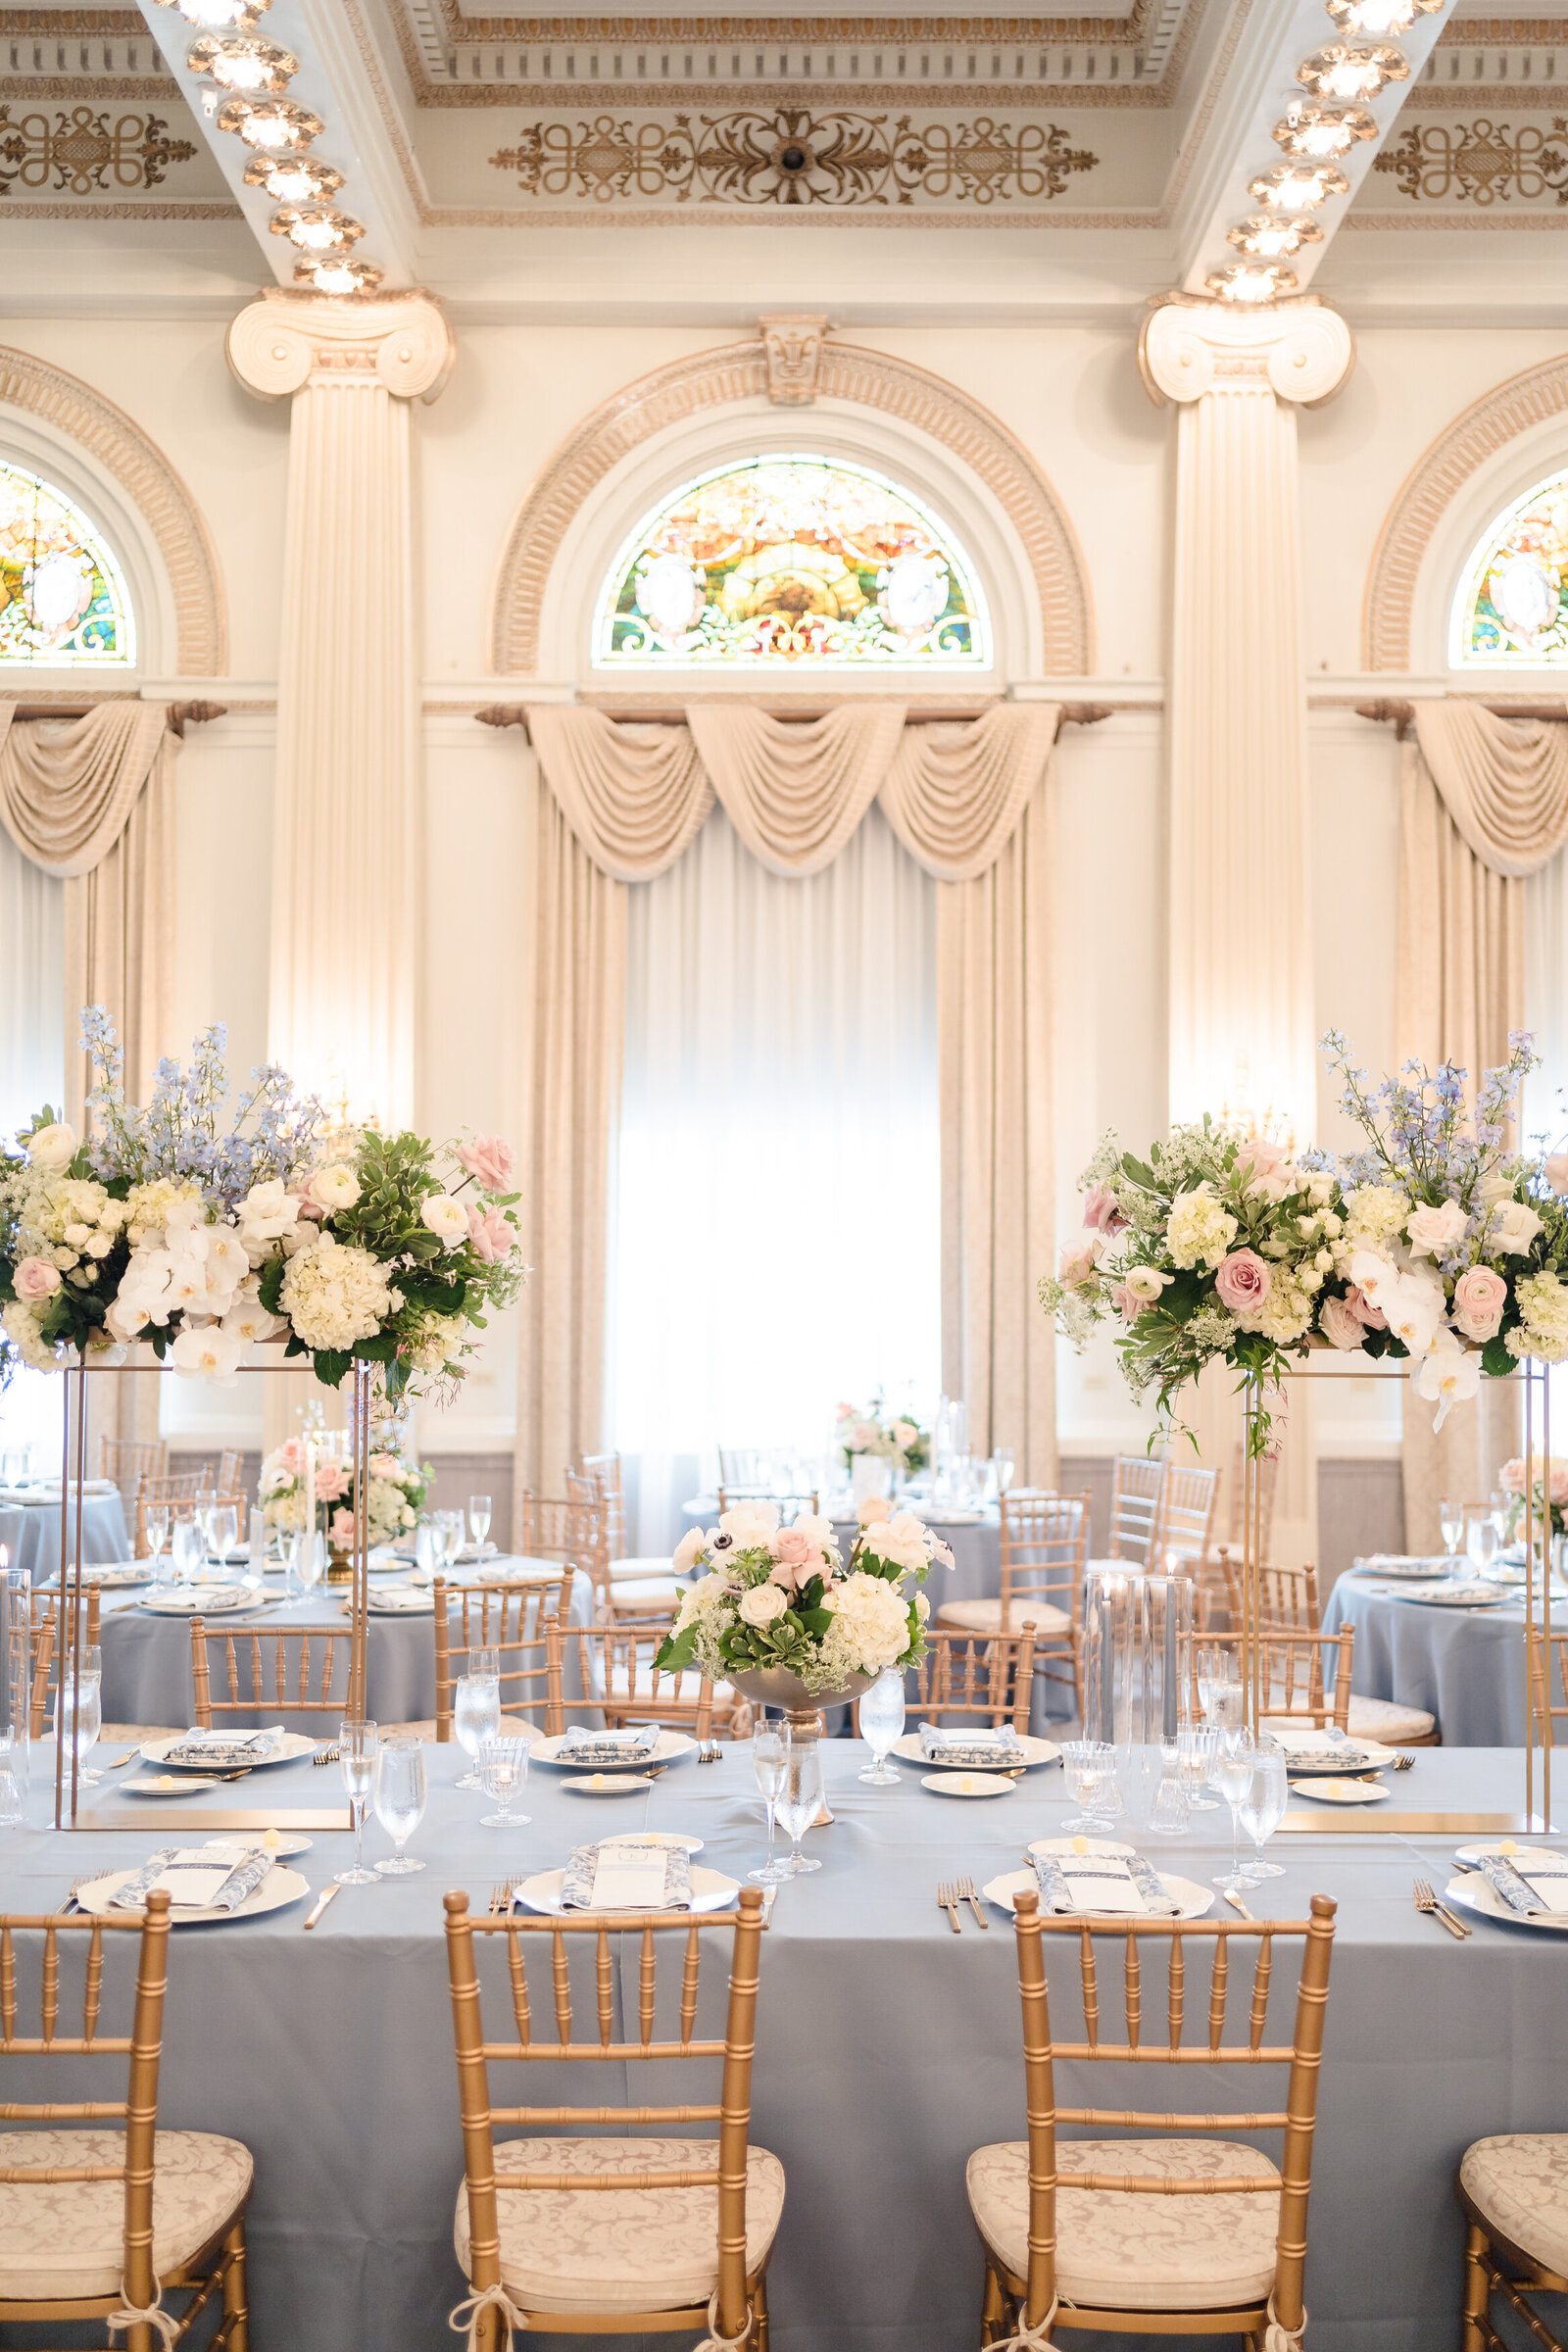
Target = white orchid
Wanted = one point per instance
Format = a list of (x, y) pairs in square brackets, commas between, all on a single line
[(1448, 1374), (206, 1351)]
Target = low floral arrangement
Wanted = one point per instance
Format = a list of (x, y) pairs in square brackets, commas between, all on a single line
[(397, 1492), (900, 1440), (1435, 1242), (782, 1597), (1551, 1484), (163, 1225)]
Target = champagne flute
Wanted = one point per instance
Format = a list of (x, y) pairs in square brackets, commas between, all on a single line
[(289, 1540), (309, 1558), (799, 1794), (1450, 1524), (1263, 1811), (477, 1708), (479, 1519), (882, 1716), (156, 1521), (1234, 1766), (400, 1790), (357, 1744), (504, 1775), (184, 1549), (449, 1527), (769, 1743), (1002, 1459), (1480, 1542)]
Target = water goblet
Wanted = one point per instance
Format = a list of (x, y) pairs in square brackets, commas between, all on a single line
[(1480, 1542), (477, 1708), (799, 1794), (769, 1742), (1235, 1761), (1263, 1809), (479, 1519), (185, 1549), (357, 1744), (1089, 1767), (1196, 1743), (310, 1558), (881, 1724), (1001, 1463), (400, 1790), (222, 1532), (504, 1775), (449, 1529), (1451, 1525)]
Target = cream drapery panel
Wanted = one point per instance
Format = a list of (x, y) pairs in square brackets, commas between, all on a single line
[(620, 803)]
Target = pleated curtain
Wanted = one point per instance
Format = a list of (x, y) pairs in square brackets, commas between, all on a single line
[(618, 803), (1483, 805)]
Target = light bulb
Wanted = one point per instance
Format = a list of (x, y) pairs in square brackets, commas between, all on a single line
[(248, 64), (338, 275), (1378, 20), (1269, 238), (293, 178), (1252, 282), (1298, 188), (219, 16), (1346, 71), (273, 124), (1327, 131), (315, 227)]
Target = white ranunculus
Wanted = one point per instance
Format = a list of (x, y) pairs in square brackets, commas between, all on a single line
[(336, 1187), (207, 1352), (446, 1218), (1511, 1228), (760, 1604), (267, 1214), (52, 1147), (1448, 1374), (1147, 1282)]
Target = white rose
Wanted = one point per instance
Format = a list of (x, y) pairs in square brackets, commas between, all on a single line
[(1433, 1231), (446, 1218), (760, 1604), (922, 1607), (52, 1147), (1493, 1189), (77, 1235), (336, 1187), (1511, 1228), (99, 1245)]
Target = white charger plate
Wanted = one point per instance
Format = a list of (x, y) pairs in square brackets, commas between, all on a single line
[(1467, 1595), (1402, 1568), (1194, 1899), (967, 1784), (1478, 1893), (1312, 1762), (668, 1747), (1035, 1751), (128, 1572), (395, 1601), (712, 1890), (276, 1891), (202, 1600), (1325, 1791), (295, 1744)]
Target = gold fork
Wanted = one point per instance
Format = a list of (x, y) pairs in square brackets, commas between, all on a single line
[(71, 1904), (967, 1894), (501, 1894), (1403, 1762), (1426, 1900), (327, 1756), (948, 1902)]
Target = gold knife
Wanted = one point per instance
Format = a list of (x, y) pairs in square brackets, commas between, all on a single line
[(320, 1903), (1237, 1904)]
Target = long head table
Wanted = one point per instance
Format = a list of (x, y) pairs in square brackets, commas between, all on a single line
[(888, 2048)]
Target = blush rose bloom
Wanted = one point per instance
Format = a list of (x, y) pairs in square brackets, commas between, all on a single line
[(1101, 1211), (793, 1549), (1340, 1325), (35, 1278), (490, 1236), (331, 1480), (1558, 1172), (1478, 1298), (1125, 1299), (489, 1160), (1078, 1262), (1432, 1231), (1361, 1306), (1242, 1281)]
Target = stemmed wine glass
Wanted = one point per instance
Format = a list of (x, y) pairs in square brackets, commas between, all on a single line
[(156, 1521), (881, 1724), (222, 1532), (769, 1741), (449, 1536), (477, 1708), (799, 1794), (80, 1709), (1234, 1766), (400, 1790), (357, 1744), (185, 1549), (504, 1772), (479, 1520), (1263, 1809), (1451, 1525)]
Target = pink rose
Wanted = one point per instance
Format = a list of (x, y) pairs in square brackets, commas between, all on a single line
[(340, 1530), (1340, 1325), (1101, 1211), (1557, 1484), (864, 1436), (1433, 1231), (1512, 1476), (489, 1160), (310, 1208), (35, 1278), (784, 1576), (1478, 1298), (1242, 1281), (1557, 1171), (331, 1480), (793, 1549), (1077, 1265), (1125, 1299), (1258, 1159), (1361, 1306), (490, 1236)]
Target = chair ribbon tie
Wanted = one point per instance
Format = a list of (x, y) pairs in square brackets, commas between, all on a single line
[(153, 2316), (1038, 2338), (1278, 2338), (713, 2341), (466, 2319)]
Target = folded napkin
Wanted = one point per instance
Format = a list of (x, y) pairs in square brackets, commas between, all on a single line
[(617, 1874), (1305, 1745), (1531, 1883), (585, 1746), (195, 1879), (227, 1748), (939, 1747), (1120, 1883)]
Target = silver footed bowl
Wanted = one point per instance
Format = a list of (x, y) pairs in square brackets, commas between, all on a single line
[(777, 1686)]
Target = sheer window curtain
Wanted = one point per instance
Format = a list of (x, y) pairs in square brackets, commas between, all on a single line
[(776, 1212), (32, 1071)]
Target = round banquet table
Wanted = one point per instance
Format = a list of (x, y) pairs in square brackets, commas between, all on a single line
[(30, 1532), (1464, 1666), (330, 2055), (146, 1659)]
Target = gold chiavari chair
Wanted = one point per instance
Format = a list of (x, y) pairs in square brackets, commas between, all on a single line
[(511, 1619), (1546, 1710), (1294, 1671), (1044, 1541), (603, 1471), (128, 1460), (569, 1527), (747, 1469), (230, 1471), (614, 1668), (806, 1504), (180, 1486), (1135, 1490), (625, 1586), (186, 1506), (45, 1643), (1185, 1520), (1514, 2192), (101, 2214), (613, 2237), (1287, 1599), (961, 1676), (298, 1670), (1076, 2231)]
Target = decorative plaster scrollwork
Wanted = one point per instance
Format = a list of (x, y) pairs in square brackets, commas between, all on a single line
[(281, 341), (793, 348), (1301, 352)]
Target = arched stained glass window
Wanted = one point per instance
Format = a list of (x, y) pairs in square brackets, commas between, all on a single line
[(1512, 605), (63, 600), (792, 560)]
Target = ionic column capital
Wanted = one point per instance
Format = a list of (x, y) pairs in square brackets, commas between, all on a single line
[(1300, 351), (288, 338)]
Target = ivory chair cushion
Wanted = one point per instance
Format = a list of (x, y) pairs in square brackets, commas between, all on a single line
[(1386, 1720), (128, 1735), (1135, 2252), (513, 1727), (652, 1564), (985, 1617), (1519, 2184), (634, 2249), (646, 1597), (66, 2239)]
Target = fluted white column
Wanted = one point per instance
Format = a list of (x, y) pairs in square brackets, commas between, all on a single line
[(344, 923)]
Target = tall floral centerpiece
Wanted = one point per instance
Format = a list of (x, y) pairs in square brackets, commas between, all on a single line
[(780, 1615), (878, 1448), (396, 1492)]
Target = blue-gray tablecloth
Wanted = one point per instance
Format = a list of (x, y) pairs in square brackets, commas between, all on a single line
[(31, 1533), (1464, 1666)]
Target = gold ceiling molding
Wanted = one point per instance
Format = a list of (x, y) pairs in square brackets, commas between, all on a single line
[(521, 31), (76, 151), (74, 410), (1482, 162), (69, 23), (738, 371), (1431, 487)]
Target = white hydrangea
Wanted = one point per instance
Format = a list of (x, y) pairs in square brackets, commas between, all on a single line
[(870, 1628), (50, 1208), (335, 1294), (1201, 1229), (1286, 1314), (21, 1330), (1542, 1301), (1375, 1215)]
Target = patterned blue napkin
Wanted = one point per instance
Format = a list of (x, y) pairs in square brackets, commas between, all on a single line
[(1091, 1882), (1534, 1884), (981, 1747), (585, 1746), (666, 1869), (227, 1748), (195, 1880)]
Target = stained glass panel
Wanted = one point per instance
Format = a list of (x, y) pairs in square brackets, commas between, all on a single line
[(1513, 606), (792, 560), (63, 599)]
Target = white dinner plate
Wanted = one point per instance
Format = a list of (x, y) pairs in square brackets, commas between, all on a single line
[(711, 1891), (1325, 1791), (168, 1784), (1079, 1845), (284, 1841), (1194, 1899), (1478, 1893), (294, 1746), (277, 1890), (1035, 1751), (608, 1784), (1505, 1845), (1311, 1762), (1447, 1596), (202, 1600), (668, 1747), (1401, 1567), (111, 1572), (395, 1600), (967, 1784)]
